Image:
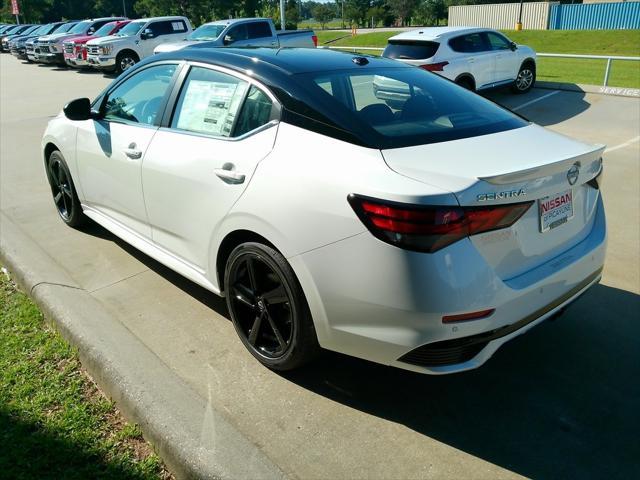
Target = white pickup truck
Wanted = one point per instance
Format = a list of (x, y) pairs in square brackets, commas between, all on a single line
[(135, 41), (243, 32)]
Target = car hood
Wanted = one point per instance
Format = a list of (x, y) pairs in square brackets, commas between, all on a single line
[(108, 39), (82, 38), (172, 47), (57, 36)]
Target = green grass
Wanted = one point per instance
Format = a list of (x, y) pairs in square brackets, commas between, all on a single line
[(54, 423), (595, 42)]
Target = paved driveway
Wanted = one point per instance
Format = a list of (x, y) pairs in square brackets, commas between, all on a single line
[(561, 401)]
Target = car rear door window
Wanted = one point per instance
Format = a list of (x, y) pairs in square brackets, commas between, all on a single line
[(258, 30), (209, 102), (139, 98), (410, 50), (470, 43)]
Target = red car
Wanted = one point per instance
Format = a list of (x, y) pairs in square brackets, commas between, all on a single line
[(75, 52)]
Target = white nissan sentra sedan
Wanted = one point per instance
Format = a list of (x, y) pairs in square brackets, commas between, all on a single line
[(422, 235)]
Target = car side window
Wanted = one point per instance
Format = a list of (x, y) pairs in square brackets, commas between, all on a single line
[(209, 102), (498, 42), (237, 33), (470, 43), (139, 98), (259, 30), (255, 112)]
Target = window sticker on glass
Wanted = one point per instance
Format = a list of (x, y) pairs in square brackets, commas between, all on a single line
[(210, 107), (177, 26)]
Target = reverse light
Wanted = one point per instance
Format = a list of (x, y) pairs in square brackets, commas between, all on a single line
[(431, 228), (435, 67)]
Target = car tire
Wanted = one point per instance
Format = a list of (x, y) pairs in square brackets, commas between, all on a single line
[(124, 61), (63, 191), (526, 78), (268, 307), (467, 83)]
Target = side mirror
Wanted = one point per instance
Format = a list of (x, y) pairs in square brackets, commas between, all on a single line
[(146, 34), (78, 109), (513, 46), (227, 40), (91, 31)]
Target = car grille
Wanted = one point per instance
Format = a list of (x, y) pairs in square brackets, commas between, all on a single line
[(68, 47), (43, 48), (460, 350), (93, 50)]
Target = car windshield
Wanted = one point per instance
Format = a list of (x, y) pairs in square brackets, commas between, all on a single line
[(81, 27), (131, 29), (43, 30), (400, 107), (105, 29), (66, 27), (206, 32)]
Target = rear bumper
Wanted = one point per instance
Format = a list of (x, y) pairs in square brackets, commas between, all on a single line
[(384, 304)]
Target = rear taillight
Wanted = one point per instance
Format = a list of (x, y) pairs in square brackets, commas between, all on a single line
[(435, 67), (315, 40), (431, 228), (596, 181)]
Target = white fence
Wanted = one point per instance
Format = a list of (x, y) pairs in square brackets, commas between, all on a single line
[(535, 15)]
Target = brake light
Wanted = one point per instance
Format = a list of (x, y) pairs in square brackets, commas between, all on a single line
[(431, 228), (434, 67), (315, 40)]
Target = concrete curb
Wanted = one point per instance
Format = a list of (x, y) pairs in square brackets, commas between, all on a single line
[(579, 87), (193, 439)]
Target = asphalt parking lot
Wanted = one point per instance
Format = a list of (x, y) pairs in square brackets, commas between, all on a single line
[(559, 402)]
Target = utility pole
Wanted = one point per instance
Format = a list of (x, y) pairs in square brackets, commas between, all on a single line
[(124, 9), (519, 24), (282, 19)]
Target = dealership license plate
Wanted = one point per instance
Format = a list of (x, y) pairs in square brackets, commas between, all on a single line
[(555, 210)]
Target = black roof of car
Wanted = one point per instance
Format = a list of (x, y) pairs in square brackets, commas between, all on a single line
[(284, 60)]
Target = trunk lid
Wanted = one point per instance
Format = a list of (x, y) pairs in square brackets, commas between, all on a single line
[(528, 164)]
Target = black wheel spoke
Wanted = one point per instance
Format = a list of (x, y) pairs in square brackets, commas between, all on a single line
[(276, 331), (277, 295), (244, 295), (251, 271), (255, 329), (67, 191)]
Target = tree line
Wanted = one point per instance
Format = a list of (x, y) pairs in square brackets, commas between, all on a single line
[(350, 12)]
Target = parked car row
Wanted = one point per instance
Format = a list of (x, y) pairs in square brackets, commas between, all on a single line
[(115, 43)]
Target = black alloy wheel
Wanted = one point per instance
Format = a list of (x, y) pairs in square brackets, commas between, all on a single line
[(268, 308), (64, 193)]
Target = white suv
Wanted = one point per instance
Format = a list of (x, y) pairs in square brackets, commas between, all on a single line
[(135, 42), (476, 58)]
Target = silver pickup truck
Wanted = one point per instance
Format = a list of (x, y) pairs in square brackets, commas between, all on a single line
[(244, 32)]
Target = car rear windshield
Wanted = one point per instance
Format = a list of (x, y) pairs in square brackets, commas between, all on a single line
[(410, 50), (206, 32), (400, 107)]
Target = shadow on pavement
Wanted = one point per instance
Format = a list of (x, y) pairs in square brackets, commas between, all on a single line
[(552, 110), (558, 402)]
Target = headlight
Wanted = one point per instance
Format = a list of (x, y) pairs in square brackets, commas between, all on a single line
[(106, 49), (53, 47)]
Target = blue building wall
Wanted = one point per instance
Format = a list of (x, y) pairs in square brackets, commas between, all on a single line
[(595, 16)]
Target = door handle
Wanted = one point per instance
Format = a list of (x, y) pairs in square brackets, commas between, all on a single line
[(227, 174), (132, 152)]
